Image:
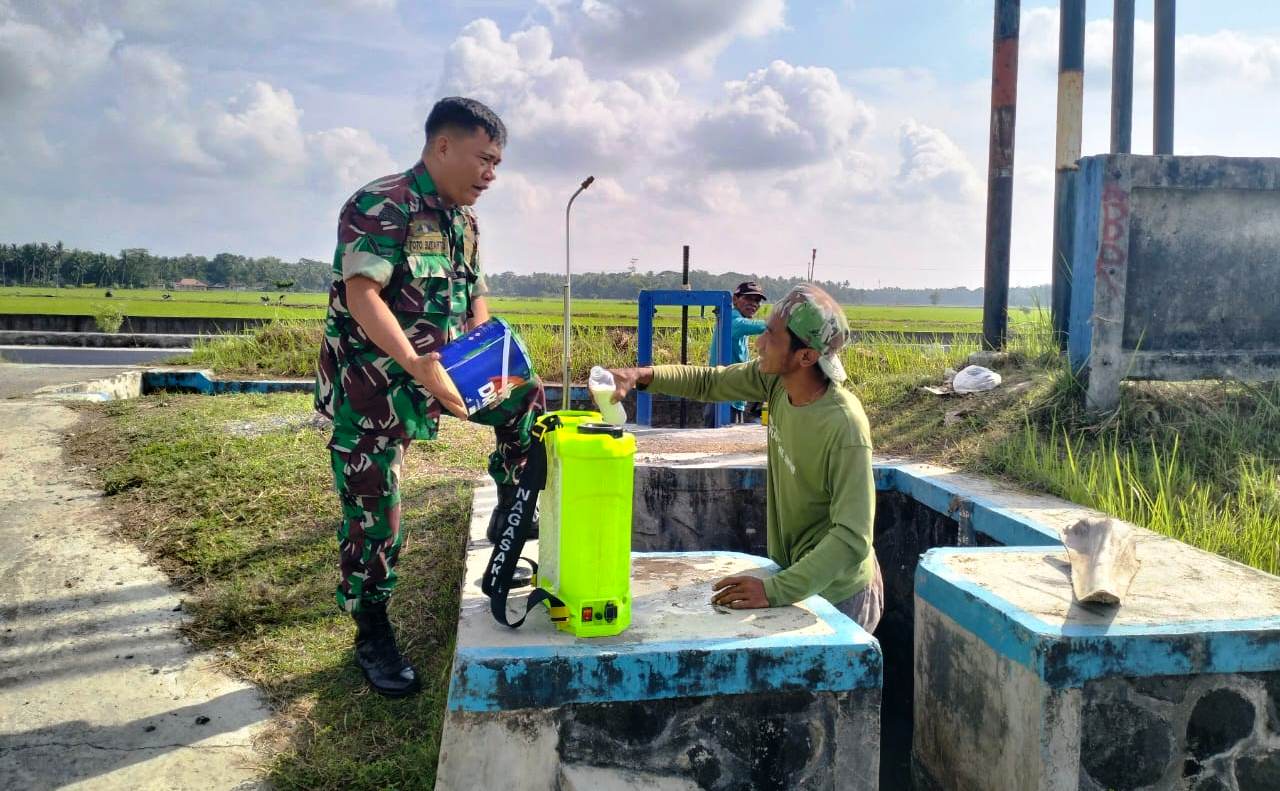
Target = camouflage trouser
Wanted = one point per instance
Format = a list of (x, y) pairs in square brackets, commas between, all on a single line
[(512, 422), (366, 473)]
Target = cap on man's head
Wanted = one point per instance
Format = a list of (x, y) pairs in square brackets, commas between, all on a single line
[(819, 322), (749, 288)]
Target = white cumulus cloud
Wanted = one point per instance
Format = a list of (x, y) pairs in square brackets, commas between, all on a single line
[(781, 116), (347, 156), (555, 112), (934, 166), (258, 132), (659, 31)]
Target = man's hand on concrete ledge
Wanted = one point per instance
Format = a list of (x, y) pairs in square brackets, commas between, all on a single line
[(740, 593), (627, 379)]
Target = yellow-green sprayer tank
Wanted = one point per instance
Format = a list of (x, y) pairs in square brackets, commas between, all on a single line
[(584, 543)]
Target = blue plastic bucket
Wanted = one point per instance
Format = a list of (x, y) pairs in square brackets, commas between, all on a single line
[(487, 364)]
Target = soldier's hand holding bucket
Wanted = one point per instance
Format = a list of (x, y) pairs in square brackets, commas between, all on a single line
[(428, 372)]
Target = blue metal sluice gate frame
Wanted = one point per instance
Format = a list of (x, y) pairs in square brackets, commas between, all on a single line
[(721, 301)]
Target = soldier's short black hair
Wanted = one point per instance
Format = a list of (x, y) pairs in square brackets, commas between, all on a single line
[(467, 114)]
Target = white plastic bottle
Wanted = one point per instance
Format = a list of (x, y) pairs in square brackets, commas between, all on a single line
[(601, 385)]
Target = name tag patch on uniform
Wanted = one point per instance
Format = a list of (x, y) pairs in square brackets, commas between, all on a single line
[(425, 238)]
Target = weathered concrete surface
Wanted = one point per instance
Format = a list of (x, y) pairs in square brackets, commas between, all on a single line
[(1176, 586), (1028, 688), (782, 741), (1175, 270), (180, 325), (780, 698), (984, 722), (20, 381), (204, 382), (87, 356), (127, 384), (700, 489), (97, 687), (97, 340), (1196, 732)]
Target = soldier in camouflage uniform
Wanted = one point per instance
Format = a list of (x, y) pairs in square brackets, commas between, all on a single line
[(407, 279)]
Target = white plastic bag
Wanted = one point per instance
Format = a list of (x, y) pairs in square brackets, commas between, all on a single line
[(975, 379), (602, 386)]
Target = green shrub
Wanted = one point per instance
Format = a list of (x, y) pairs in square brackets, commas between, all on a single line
[(108, 318)]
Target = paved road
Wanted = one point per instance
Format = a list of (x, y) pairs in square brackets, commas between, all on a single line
[(98, 690), (75, 355)]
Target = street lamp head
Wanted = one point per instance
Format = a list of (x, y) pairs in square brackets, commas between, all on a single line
[(587, 183)]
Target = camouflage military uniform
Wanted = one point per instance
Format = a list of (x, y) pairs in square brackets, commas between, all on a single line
[(397, 232)]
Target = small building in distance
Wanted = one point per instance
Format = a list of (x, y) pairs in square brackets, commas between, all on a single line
[(190, 284)]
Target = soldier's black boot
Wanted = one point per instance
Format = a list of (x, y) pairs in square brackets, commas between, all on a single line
[(506, 499), (384, 667)]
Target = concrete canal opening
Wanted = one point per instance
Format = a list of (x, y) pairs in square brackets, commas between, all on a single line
[(688, 501)]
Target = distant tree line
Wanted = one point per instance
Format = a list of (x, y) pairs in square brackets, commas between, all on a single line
[(44, 264), (626, 285)]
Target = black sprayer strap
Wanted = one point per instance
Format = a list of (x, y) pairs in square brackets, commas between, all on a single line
[(517, 524)]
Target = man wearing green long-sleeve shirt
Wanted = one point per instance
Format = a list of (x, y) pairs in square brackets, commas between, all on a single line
[(820, 496)]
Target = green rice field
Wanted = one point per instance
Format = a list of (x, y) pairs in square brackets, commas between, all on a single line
[(524, 310)]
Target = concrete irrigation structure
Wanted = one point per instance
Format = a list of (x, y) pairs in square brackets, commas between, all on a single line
[(991, 676), (1176, 267), (690, 695)]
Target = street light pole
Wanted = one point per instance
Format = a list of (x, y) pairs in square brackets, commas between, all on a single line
[(565, 339)]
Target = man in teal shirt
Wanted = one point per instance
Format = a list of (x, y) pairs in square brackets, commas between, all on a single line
[(747, 298), (820, 494)]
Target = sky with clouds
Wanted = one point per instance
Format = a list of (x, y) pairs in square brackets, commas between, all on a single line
[(753, 130)]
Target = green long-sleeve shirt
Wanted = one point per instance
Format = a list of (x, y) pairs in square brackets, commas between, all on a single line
[(820, 496)]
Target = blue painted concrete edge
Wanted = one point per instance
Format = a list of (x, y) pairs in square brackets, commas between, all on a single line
[(1069, 656), (985, 516), (936, 492), (1085, 256), (205, 384), (587, 671)]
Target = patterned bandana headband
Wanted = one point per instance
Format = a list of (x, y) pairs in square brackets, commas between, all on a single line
[(818, 320)]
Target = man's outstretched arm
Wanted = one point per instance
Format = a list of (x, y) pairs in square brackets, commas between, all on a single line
[(701, 383)]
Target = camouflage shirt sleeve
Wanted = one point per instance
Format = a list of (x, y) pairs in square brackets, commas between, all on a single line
[(371, 233)]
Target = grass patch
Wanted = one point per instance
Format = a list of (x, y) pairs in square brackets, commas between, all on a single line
[(527, 311), (1198, 461), (232, 495), (288, 348)]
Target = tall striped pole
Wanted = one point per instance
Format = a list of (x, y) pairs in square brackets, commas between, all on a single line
[(1004, 110), (1067, 153), (1122, 78), (1166, 18)]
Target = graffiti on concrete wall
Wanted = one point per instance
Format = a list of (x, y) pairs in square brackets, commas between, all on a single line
[(1113, 250)]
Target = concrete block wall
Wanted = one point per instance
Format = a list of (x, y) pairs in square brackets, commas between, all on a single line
[(1202, 733), (689, 696), (1025, 688), (1175, 267)]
